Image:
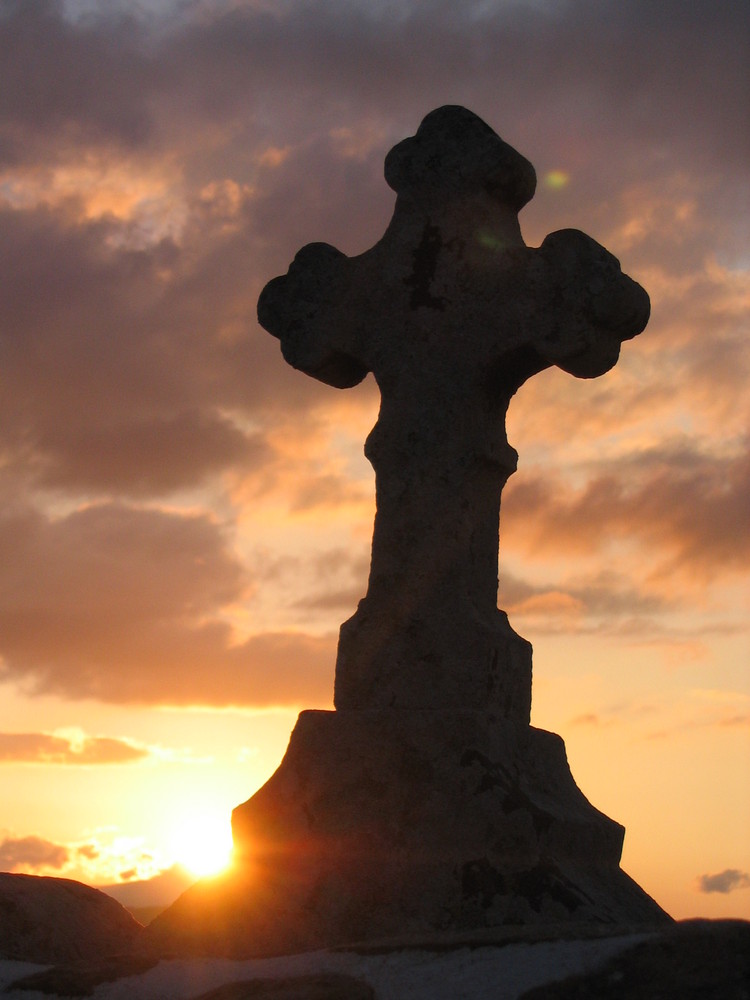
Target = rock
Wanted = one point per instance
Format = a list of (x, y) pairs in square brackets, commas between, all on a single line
[(382, 824), (694, 960), (52, 920), (80, 979), (316, 987)]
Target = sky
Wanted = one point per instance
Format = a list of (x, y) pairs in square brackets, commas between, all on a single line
[(185, 520)]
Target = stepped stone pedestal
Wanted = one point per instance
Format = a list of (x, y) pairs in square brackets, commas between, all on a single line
[(426, 802), (385, 825)]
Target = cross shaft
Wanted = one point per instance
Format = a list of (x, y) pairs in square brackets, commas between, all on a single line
[(452, 313)]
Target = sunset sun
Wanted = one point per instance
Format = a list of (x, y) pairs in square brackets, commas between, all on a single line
[(202, 843)]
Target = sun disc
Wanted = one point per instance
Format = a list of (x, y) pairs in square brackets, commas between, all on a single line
[(202, 844)]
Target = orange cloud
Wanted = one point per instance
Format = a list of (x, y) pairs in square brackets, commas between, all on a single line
[(31, 853), (47, 748), (124, 604)]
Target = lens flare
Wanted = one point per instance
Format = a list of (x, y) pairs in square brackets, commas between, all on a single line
[(556, 179)]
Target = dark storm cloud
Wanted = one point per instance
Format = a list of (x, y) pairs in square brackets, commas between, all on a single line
[(119, 360), (661, 68), (46, 748)]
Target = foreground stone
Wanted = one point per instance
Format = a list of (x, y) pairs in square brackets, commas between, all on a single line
[(81, 978), (322, 987), (396, 823), (694, 960), (51, 920)]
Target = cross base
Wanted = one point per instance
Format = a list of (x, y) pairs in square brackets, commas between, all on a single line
[(399, 824), (437, 662)]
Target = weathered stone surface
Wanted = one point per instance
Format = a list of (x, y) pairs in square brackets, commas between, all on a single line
[(426, 802), (452, 312), (59, 920), (397, 823), (81, 978), (320, 987)]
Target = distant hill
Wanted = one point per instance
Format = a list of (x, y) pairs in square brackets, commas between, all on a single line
[(148, 897)]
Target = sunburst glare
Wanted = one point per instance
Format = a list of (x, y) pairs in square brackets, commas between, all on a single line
[(202, 843)]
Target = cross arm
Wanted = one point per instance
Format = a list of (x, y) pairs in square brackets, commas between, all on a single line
[(596, 305), (303, 308)]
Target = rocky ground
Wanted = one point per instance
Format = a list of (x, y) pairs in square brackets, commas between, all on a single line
[(61, 939)]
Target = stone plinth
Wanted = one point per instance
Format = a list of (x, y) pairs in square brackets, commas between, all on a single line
[(495, 662), (382, 824)]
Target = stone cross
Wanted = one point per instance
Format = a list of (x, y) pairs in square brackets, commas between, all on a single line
[(452, 313)]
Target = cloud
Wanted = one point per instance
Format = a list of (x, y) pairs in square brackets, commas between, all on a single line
[(121, 381), (106, 858), (154, 173), (124, 604), (48, 748), (241, 70), (31, 852), (605, 595), (158, 345), (689, 510), (111, 561), (145, 457), (729, 880), (73, 83), (587, 719)]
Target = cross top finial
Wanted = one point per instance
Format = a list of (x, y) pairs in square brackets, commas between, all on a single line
[(452, 313), (454, 152)]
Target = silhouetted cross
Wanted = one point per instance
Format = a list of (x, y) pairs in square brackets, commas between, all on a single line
[(452, 312)]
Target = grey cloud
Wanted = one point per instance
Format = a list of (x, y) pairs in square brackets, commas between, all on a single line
[(657, 70), (664, 66), (73, 83), (325, 491), (116, 379), (729, 880), (181, 664), (111, 561), (338, 580), (31, 852), (44, 748)]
